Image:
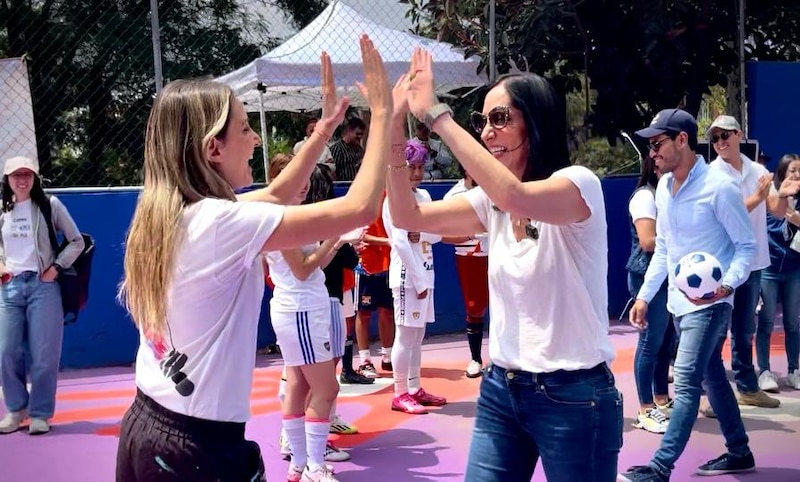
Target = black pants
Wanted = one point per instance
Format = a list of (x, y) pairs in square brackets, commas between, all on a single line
[(158, 445)]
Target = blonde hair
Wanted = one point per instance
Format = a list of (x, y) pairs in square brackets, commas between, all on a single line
[(186, 116)]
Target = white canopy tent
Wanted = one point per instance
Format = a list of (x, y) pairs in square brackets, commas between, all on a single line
[(287, 78)]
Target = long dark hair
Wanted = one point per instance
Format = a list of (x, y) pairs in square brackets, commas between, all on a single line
[(545, 115), (783, 166), (37, 193), (648, 176), (320, 186)]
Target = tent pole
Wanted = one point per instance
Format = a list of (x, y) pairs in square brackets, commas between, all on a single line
[(264, 140)]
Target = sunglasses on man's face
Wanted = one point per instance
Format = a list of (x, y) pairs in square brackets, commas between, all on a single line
[(497, 118), (723, 135)]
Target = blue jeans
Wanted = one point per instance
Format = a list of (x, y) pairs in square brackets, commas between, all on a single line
[(786, 287), (699, 362), (743, 327), (31, 317), (655, 347), (573, 420)]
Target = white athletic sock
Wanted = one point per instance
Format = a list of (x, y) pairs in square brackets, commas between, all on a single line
[(364, 355), (386, 353), (282, 386), (415, 361), (405, 337), (316, 441), (295, 428)]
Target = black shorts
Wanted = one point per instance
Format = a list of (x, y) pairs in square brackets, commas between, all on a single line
[(159, 445), (374, 292)]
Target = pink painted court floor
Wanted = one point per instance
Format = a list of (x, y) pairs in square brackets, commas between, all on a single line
[(390, 445)]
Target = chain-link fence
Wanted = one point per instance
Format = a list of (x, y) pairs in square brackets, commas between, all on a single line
[(85, 73)]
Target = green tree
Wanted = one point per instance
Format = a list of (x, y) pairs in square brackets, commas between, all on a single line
[(639, 55), (92, 79)]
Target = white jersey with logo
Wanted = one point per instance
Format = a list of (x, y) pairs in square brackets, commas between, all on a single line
[(410, 264), (472, 247), (548, 298), (202, 366), (291, 293)]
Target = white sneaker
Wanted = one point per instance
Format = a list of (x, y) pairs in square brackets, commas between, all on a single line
[(38, 426), (652, 420), (322, 474), (12, 421), (793, 380), (474, 369), (667, 408), (335, 454), (768, 382), (295, 473)]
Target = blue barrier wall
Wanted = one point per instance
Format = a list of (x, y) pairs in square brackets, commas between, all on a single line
[(105, 336), (772, 104)]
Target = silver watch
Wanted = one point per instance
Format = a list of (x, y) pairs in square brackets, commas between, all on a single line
[(435, 112)]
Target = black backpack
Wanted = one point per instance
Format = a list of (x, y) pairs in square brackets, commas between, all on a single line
[(74, 281)]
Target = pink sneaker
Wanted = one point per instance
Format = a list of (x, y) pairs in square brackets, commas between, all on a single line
[(406, 403), (295, 473), (426, 399)]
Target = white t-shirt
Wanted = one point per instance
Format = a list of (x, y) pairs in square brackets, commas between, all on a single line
[(325, 157), (548, 299), (643, 204), (19, 239), (410, 264), (472, 247), (213, 307), (747, 180), (292, 294)]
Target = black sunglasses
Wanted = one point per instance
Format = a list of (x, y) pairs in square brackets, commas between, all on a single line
[(497, 118), (655, 146), (724, 135)]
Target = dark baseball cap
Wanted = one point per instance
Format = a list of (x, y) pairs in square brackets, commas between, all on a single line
[(673, 120)]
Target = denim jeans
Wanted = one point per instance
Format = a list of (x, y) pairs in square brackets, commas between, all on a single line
[(655, 347), (743, 328), (32, 319), (699, 362), (786, 287), (573, 420)]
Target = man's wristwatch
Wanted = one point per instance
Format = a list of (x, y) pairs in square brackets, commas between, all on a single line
[(435, 112), (727, 289)]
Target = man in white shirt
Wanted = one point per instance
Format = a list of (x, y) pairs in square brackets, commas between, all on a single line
[(326, 157), (754, 182)]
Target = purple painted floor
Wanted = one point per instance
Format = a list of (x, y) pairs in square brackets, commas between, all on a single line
[(391, 446)]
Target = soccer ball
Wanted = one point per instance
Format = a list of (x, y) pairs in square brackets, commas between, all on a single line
[(698, 275)]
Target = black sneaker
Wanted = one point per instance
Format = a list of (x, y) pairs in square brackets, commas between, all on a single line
[(641, 473), (353, 378), (386, 365), (728, 464)]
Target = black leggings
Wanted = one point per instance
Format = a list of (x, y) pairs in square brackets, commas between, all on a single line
[(159, 445)]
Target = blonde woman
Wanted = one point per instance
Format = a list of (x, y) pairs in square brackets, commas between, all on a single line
[(193, 272)]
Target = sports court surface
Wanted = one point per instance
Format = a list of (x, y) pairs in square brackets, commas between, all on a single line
[(390, 446)]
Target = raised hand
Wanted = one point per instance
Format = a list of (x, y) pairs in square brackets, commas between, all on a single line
[(400, 96), (421, 92), (333, 109), (376, 85), (764, 184), (789, 187)]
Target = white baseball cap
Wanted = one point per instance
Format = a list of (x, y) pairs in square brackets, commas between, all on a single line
[(19, 162)]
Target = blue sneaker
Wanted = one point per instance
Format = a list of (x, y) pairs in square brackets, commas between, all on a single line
[(641, 473), (728, 464)]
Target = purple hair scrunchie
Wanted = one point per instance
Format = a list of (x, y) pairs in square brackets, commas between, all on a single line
[(416, 152)]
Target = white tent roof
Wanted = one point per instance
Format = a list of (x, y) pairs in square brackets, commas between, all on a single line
[(290, 72)]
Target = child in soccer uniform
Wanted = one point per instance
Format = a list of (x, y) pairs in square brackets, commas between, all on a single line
[(411, 279), (301, 317), (472, 266)]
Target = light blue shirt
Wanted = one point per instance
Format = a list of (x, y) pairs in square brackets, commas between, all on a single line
[(706, 214)]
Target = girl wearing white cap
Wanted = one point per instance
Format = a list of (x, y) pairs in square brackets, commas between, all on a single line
[(30, 297)]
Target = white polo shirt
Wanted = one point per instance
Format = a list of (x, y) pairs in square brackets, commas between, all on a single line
[(213, 307), (747, 180), (548, 299)]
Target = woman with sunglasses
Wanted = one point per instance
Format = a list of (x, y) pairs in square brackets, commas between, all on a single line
[(548, 391), (193, 277)]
